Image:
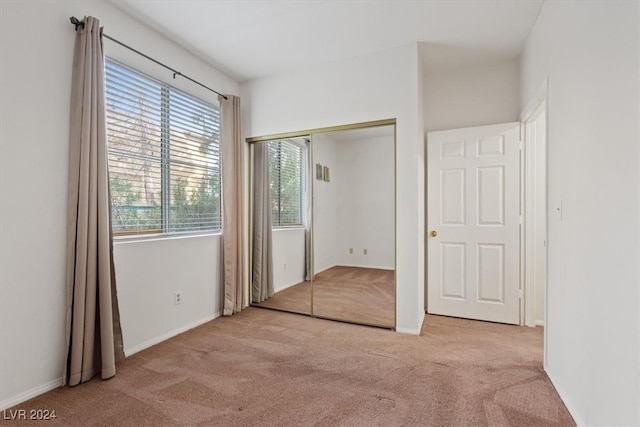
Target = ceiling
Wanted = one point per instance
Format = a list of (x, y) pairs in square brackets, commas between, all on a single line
[(248, 39)]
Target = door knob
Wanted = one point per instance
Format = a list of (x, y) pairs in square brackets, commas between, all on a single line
[(433, 233)]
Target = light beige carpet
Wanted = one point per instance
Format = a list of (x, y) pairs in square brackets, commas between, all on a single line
[(268, 368), (360, 295), (296, 299), (352, 294)]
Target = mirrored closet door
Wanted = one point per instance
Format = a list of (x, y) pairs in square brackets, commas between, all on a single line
[(354, 226), (280, 225), (330, 250)]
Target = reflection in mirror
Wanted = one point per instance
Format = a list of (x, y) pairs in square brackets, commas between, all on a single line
[(280, 225), (354, 225)]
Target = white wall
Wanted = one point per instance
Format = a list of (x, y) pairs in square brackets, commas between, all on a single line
[(373, 87), (35, 77), (365, 202), (325, 208), (356, 208), (473, 96), (149, 272), (288, 257), (590, 53), (422, 185)]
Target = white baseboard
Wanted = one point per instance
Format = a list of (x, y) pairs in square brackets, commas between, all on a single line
[(374, 267), (137, 348), (287, 286), (540, 323), (563, 396), (413, 331), (41, 389), (408, 331), (36, 391)]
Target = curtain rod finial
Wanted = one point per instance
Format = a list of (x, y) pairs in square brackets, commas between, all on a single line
[(75, 21)]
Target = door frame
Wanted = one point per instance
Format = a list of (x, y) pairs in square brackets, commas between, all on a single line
[(527, 212), (537, 105)]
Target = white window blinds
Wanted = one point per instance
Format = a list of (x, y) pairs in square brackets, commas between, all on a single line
[(164, 156), (287, 168)]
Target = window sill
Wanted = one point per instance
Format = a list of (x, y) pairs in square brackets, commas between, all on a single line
[(164, 236)]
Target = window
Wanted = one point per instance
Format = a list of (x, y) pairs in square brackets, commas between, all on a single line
[(164, 156), (288, 171)]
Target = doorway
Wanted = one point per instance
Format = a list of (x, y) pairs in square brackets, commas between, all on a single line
[(474, 222), (496, 279)]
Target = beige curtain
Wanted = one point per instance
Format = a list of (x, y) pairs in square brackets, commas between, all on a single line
[(94, 337), (308, 274), (232, 153), (262, 268)]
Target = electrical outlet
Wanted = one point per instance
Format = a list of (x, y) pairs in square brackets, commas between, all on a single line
[(177, 297), (350, 250), (285, 267), (364, 251)]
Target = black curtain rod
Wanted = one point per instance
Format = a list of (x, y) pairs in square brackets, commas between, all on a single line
[(79, 24)]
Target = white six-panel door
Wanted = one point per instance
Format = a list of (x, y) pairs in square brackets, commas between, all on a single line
[(473, 223)]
